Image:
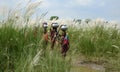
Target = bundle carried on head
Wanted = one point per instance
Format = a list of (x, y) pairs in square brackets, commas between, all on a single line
[(45, 25), (64, 27), (55, 25)]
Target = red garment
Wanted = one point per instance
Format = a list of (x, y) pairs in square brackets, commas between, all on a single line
[(45, 37), (52, 34), (65, 45), (65, 41)]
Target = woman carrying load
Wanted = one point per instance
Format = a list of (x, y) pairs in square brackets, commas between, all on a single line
[(64, 40)]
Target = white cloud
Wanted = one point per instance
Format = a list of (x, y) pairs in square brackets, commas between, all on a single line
[(45, 4), (81, 2), (86, 3), (3, 8), (1, 11), (102, 4)]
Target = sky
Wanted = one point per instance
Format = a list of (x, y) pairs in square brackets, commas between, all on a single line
[(70, 9)]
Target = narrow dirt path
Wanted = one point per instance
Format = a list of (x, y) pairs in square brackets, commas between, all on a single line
[(79, 66)]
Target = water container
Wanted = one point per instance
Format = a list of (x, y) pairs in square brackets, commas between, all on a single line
[(55, 25), (45, 25), (64, 27)]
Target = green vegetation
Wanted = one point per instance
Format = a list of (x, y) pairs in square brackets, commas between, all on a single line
[(23, 49), (54, 18), (99, 45)]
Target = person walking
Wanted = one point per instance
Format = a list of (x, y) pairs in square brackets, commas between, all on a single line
[(64, 40)]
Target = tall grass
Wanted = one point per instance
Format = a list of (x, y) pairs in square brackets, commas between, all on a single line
[(21, 50), (98, 43)]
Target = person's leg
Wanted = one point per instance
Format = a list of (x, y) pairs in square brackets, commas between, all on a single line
[(52, 44), (65, 49)]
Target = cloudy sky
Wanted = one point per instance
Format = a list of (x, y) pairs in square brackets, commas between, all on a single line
[(106, 9)]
